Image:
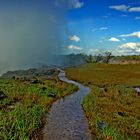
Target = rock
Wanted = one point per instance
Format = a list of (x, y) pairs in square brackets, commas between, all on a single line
[(11, 107), (44, 88), (34, 81), (89, 83), (137, 89), (2, 95), (121, 114), (13, 77), (51, 94), (105, 89), (101, 125)]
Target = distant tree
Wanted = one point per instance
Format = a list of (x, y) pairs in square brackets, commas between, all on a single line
[(98, 58), (107, 57), (89, 59)]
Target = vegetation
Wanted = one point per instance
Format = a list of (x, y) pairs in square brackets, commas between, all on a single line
[(112, 107), (100, 57), (104, 74), (129, 57), (25, 104), (118, 108)]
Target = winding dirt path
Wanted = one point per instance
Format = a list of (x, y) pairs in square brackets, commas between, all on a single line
[(66, 119)]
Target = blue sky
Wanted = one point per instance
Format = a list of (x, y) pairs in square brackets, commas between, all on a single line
[(105, 25)]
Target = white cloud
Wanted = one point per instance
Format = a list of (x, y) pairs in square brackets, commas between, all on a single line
[(119, 7), (124, 8), (94, 50), (74, 38), (134, 34), (120, 52), (134, 9), (100, 29), (73, 47), (113, 39), (78, 4), (138, 50), (130, 45), (74, 3), (68, 4), (103, 28), (130, 48), (137, 18)]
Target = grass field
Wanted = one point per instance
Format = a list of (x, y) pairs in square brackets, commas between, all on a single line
[(22, 112), (102, 74), (111, 103)]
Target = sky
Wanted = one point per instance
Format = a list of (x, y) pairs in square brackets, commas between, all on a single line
[(105, 25), (33, 32)]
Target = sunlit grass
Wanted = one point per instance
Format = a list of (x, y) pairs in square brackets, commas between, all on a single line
[(111, 93), (21, 113), (101, 74), (101, 106)]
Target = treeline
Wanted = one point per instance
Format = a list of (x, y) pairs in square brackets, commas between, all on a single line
[(105, 57)]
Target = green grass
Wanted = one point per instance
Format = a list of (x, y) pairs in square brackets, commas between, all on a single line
[(101, 74), (103, 104), (21, 114)]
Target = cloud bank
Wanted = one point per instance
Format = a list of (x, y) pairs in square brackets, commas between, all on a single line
[(31, 33), (134, 34), (125, 8), (119, 7), (130, 48)]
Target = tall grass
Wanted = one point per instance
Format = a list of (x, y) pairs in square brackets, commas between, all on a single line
[(101, 74), (111, 93), (101, 106), (21, 113)]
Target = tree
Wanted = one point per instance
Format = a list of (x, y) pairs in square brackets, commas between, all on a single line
[(89, 59), (98, 58), (107, 57)]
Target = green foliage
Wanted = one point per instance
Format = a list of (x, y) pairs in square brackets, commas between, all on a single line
[(26, 104)]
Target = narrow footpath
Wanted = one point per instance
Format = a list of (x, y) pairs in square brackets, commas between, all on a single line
[(66, 119)]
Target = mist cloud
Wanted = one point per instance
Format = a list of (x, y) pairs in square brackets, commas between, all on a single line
[(30, 33)]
